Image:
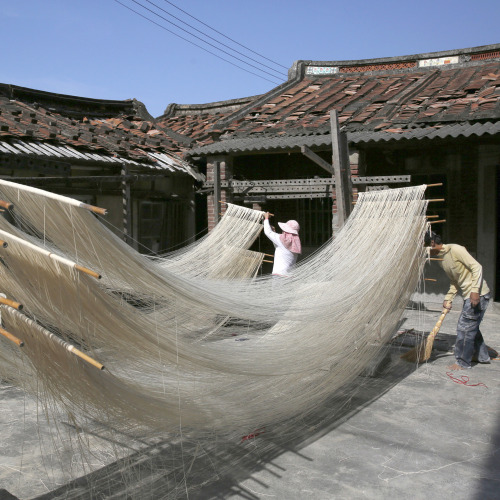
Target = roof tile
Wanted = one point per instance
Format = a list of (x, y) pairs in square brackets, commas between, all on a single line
[(59, 120), (390, 102)]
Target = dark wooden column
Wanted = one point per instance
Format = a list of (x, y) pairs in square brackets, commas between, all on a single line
[(342, 170)]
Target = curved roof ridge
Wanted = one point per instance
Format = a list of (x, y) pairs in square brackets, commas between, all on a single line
[(411, 57), (71, 105), (14, 91), (210, 107)]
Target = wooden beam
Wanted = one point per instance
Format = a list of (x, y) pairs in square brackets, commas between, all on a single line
[(342, 170), (217, 190), (85, 178), (317, 159), (45, 166)]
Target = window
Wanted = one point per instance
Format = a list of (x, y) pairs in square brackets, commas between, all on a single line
[(151, 219), (315, 216), (162, 225)]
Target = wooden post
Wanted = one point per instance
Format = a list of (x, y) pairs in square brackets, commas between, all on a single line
[(345, 172), (342, 170), (217, 191)]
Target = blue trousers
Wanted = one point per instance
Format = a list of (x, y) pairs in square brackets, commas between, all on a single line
[(470, 343)]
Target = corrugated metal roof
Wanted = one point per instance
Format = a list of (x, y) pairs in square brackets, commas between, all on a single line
[(166, 162), (160, 161), (263, 143), (35, 148), (455, 130)]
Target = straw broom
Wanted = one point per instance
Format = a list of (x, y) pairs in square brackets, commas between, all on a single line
[(422, 352)]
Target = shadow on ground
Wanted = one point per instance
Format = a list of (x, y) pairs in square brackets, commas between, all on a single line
[(219, 467), (488, 484)]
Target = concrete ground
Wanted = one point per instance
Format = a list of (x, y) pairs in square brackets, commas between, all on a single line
[(409, 432), (433, 434)]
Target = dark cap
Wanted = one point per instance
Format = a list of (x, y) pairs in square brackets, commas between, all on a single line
[(431, 236)]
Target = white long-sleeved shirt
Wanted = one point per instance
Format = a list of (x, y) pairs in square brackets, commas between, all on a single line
[(284, 259)]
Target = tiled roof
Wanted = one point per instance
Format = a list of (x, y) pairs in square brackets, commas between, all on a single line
[(197, 121), (41, 123), (394, 98)]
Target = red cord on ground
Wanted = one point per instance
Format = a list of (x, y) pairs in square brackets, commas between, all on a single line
[(254, 434), (464, 380)]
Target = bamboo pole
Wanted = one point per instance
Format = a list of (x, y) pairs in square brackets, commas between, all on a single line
[(435, 258), (6, 204), (83, 356), (96, 210), (11, 337), (432, 216), (227, 203), (433, 185), (51, 255), (437, 221), (88, 271), (436, 199), (270, 261), (69, 347), (429, 279), (11, 303), (58, 197)]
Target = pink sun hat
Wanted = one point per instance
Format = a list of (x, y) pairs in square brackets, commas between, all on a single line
[(292, 226)]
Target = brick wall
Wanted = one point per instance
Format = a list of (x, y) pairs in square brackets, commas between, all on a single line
[(213, 206)]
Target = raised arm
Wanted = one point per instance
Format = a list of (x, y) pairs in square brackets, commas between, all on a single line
[(274, 237)]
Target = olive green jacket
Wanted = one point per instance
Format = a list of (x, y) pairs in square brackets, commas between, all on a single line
[(465, 272)]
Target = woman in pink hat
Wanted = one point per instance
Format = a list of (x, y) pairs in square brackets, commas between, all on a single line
[(287, 245)]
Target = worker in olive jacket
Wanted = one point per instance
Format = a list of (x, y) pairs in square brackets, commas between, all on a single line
[(466, 277)]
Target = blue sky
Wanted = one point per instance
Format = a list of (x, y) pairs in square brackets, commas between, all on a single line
[(100, 49)]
